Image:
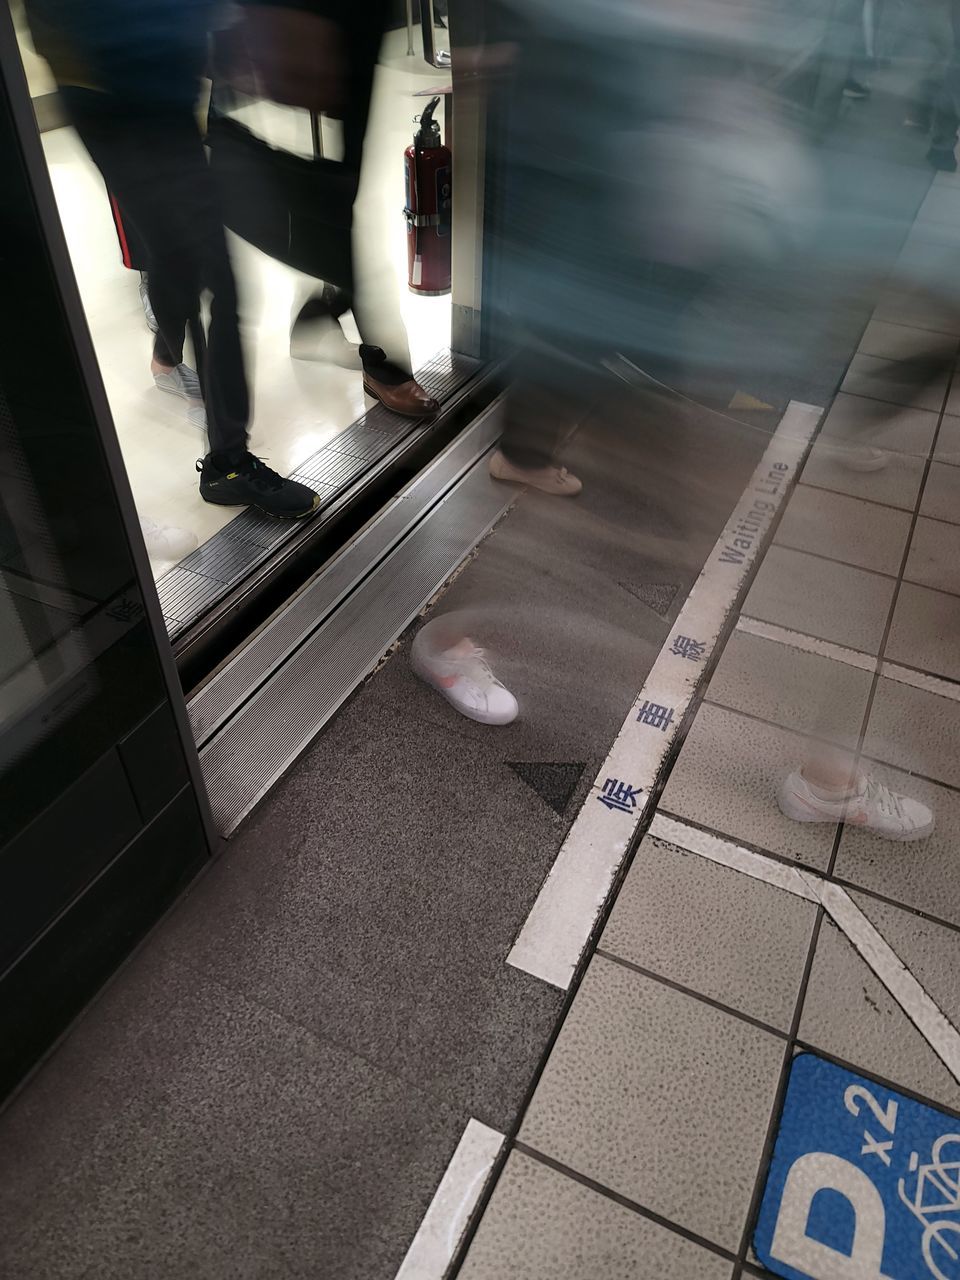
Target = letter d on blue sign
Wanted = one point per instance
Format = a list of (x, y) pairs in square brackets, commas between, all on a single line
[(819, 1171), (863, 1183)]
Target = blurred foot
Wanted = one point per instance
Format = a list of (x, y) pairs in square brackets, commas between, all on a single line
[(166, 541), (248, 482), (396, 390), (463, 676), (859, 457), (867, 804), (177, 380), (856, 89), (943, 158), (554, 480), (180, 380), (918, 118), (316, 333)]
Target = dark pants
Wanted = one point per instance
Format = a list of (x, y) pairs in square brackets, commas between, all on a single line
[(548, 393), (153, 162), (133, 254), (946, 112)]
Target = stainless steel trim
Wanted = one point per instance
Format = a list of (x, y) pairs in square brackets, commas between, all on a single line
[(243, 552), (436, 57), (231, 686), (254, 748), (410, 48)]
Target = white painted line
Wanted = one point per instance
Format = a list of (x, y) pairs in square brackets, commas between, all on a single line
[(736, 857), (808, 644), (921, 680), (919, 1007), (573, 895), (555, 933), (439, 1234)]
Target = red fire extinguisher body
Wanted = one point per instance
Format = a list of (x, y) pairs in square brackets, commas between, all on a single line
[(429, 186)]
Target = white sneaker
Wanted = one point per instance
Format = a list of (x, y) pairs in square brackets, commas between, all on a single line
[(872, 805), (182, 381), (166, 541), (554, 480), (150, 318), (464, 678)]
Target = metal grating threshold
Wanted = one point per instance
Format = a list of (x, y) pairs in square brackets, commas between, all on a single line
[(192, 587), (309, 659)]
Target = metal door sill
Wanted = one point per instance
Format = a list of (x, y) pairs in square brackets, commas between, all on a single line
[(264, 706)]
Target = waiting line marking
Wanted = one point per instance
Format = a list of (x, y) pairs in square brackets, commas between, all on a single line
[(556, 932), (922, 1010), (455, 1199)]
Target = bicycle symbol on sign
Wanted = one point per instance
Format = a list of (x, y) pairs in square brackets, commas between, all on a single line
[(937, 1193)]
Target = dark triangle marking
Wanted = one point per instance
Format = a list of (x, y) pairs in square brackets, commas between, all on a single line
[(658, 596), (553, 783)]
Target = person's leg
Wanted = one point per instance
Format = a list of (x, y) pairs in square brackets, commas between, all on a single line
[(548, 392), (833, 783), (153, 160), (946, 119), (142, 161), (384, 347)]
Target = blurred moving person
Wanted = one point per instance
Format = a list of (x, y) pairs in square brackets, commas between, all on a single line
[(941, 19), (639, 160), (129, 75), (319, 56)]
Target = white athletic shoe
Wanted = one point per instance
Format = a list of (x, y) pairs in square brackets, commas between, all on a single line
[(554, 480), (871, 805), (150, 318), (464, 678), (182, 381), (166, 541)]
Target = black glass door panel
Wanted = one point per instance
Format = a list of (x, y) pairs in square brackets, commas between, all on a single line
[(102, 816)]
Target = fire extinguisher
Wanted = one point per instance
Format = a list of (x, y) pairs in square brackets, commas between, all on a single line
[(429, 187)]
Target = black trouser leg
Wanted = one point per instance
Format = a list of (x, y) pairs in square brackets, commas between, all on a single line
[(946, 116), (154, 163), (543, 402)]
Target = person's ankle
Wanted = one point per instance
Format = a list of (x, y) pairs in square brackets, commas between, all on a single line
[(227, 459), (833, 787), (527, 464), (380, 369)]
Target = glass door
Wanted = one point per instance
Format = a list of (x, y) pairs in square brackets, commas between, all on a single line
[(102, 814), (219, 570)]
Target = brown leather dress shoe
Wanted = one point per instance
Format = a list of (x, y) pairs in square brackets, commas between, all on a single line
[(407, 398)]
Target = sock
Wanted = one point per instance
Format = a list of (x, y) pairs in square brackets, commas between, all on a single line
[(377, 366)]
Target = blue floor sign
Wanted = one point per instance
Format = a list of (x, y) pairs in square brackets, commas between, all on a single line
[(864, 1184)]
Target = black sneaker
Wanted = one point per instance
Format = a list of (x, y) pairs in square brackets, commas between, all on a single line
[(249, 483)]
